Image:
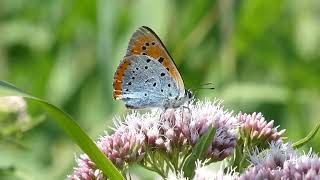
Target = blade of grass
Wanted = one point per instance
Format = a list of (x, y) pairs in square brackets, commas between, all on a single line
[(306, 139), (198, 152), (71, 128)]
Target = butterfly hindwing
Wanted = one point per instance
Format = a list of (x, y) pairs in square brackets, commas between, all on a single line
[(144, 82), (145, 42), (119, 77)]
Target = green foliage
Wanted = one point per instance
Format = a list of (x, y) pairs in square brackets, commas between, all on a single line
[(260, 55), (200, 149), (308, 138), (71, 128)]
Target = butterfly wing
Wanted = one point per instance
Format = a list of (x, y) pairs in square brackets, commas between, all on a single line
[(145, 42), (141, 81)]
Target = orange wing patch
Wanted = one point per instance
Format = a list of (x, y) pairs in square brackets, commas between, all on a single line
[(118, 78), (145, 42)]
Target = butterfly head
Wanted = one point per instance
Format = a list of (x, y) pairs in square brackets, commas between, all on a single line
[(188, 95)]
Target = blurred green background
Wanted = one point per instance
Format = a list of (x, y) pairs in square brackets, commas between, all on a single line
[(260, 55)]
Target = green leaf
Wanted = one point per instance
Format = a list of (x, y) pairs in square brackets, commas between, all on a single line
[(198, 152), (71, 128), (306, 139)]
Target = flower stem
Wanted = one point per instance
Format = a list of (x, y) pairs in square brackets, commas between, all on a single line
[(243, 154), (306, 139), (153, 169)]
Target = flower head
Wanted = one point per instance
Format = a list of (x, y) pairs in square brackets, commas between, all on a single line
[(206, 114), (124, 146), (274, 157), (302, 167), (16, 105), (257, 129), (261, 173), (86, 170), (282, 162)]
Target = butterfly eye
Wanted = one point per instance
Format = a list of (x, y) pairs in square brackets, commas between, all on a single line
[(188, 94)]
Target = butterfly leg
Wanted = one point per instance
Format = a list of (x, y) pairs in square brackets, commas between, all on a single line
[(162, 113), (183, 108)]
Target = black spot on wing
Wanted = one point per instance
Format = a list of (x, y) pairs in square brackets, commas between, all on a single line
[(161, 60)]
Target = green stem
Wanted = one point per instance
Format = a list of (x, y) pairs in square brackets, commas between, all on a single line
[(185, 156), (169, 163), (306, 139), (153, 169), (175, 160), (243, 154)]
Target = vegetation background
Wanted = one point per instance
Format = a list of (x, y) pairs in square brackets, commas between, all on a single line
[(262, 56)]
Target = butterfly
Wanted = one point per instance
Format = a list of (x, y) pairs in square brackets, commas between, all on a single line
[(147, 76)]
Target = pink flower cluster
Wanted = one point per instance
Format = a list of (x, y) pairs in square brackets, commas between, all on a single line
[(282, 162), (255, 127), (86, 169), (175, 131), (181, 128)]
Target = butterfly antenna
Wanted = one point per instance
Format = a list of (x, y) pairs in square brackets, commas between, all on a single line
[(203, 86), (206, 88), (206, 84)]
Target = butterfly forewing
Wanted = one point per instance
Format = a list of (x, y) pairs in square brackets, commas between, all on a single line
[(145, 42)]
